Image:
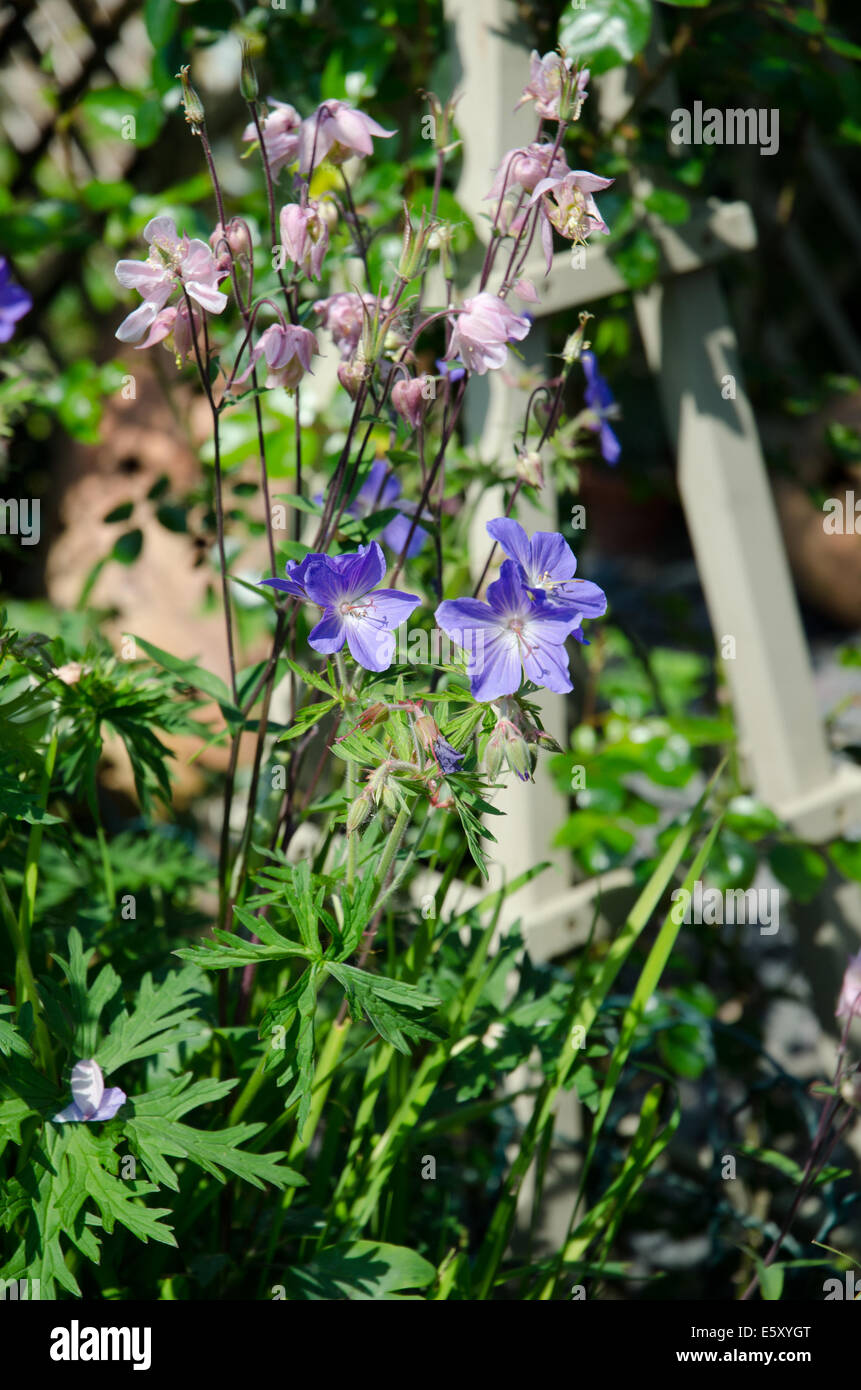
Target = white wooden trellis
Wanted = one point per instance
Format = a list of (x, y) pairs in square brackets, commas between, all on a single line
[(691, 347)]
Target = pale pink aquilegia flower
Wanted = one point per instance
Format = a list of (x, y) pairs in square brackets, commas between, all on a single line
[(288, 349), (525, 167), (173, 327), (409, 397), (344, 316), (304, 237), (483, 330), (335, 131), (280, 130), (551, 79), (173, 262), (567, 205)]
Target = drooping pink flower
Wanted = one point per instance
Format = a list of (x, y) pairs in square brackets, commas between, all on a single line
[(567, 204), (525, 167), (230, 243), (174, 322), (173, 262), (344, 316), (525, 290), (288, 349), (483, 330), (408, 399), (335, 131), (304, 236), (850, 990), (550, 78), (351, 374), (280, 135)]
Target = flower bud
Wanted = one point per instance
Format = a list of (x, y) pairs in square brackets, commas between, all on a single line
[(375, 714), (575, 344), (517, 755), (358, 813), (351, 375), (230, 242), (248, 85), (529, 468), (427, 731), (493, 755), (391, 799), (328, 209), (408, 398), (194, 112), (416, 242)]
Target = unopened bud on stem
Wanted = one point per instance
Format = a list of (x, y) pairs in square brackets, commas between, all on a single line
[(194, 112)]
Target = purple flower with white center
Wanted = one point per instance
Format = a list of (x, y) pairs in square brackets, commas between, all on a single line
[(91, 1100), (15, 302), (380, 491), (355, 611), (173, 262), (483, 330), (548, 566), (337, 130), (599, 399), (511, 630)]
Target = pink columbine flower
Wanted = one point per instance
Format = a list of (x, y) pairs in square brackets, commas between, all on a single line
[(174, 321), (549, 78), (567, 204), (525, 167), (288, 350), (483, 330), (850, 991), (173, 262), (525, 290), (230, 244), (335, 131), (304, 236), (280, 135), (408, 399), (344, 316)]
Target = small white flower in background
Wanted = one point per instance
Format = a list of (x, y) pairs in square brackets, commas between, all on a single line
[(71, 673), (90, 1099), (494, 1034)]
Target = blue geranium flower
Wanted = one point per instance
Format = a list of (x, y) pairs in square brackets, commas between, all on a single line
[(599, 399)]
